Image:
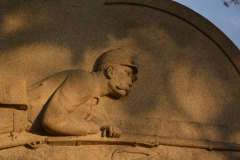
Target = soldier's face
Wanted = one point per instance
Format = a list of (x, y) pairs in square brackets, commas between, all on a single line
[(121, 81)]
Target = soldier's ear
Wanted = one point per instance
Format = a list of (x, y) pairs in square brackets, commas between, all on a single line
[(110, 71)]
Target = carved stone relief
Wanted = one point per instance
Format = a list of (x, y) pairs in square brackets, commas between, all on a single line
[(116, 79), (64, 104)]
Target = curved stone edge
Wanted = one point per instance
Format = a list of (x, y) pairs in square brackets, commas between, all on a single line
[(184, 13)]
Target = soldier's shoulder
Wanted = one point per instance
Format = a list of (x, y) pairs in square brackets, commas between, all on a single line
[(80, 78), (78, 74), (58, 78), (71, 74)]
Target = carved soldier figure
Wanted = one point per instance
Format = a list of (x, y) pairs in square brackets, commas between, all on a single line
[(65, 103)]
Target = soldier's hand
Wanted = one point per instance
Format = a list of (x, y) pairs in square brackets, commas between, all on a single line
[(111, 131)]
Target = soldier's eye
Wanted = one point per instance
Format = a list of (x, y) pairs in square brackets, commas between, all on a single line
[(129, 73)]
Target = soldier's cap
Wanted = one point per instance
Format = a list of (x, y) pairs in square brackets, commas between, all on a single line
[(117, 56)]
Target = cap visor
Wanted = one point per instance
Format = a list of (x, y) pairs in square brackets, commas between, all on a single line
[(133, 67)]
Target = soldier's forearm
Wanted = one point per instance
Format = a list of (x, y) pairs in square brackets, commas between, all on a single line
[(69, 126)]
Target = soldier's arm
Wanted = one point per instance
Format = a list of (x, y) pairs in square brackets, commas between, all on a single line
[(57, 119)]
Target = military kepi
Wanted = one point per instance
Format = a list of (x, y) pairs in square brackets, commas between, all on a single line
[(117, 56)]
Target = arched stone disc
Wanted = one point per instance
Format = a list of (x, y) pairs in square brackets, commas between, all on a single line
[(188, 85)]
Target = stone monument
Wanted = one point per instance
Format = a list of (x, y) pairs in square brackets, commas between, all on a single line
[(116, 79)]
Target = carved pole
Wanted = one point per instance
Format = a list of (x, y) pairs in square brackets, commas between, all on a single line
[(149, 141), (146, 141)]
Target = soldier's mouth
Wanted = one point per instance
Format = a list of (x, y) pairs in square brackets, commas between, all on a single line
[(120, 87)]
